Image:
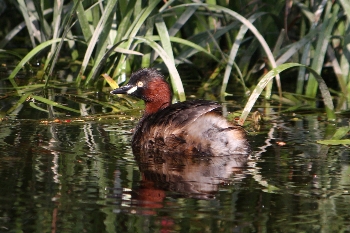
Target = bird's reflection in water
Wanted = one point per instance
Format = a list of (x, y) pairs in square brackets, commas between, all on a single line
[(182, 176), (191, 176)]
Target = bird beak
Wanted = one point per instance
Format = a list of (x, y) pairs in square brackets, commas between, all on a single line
[(127, 89)]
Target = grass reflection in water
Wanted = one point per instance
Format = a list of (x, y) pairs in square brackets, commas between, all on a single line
[(83, 177)]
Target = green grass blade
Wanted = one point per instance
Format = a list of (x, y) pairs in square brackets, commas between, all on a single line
[(181, 20), (164, 37), (59, 46), (188, 43), (233, 53), (346, 7), (147, 57), (45, 29), (321, 47), (166, 5), (248, 24), (18, 103), (201, 39), (132, 32), (12, 34), (83, 21), (341, 132), (271, 74), (98, 64), (305, 59), (29, 88), (33, 105), (291, 49), (57, 20), (30, 26), (334, 142), (307, 13), (18, 28), (126, 12), (54, 104), (336, 138), (96, 36), (30, 55), (104, 41), (337, 69)]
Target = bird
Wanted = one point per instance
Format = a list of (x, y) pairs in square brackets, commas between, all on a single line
[(190, 128)]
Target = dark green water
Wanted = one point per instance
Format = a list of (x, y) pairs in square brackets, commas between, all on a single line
[(81, 176)]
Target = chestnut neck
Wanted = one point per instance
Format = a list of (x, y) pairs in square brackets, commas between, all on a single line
[(157, 96)]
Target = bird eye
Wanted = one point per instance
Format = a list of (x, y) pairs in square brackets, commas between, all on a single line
[(140, 84)]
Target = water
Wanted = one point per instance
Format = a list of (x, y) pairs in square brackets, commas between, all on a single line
[(81, 176)]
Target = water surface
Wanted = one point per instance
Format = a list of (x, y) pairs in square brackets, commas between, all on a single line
[(81, 176)]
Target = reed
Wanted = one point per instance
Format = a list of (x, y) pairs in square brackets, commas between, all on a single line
[(240, 42)]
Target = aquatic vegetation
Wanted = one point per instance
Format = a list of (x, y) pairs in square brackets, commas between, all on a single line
[(228, 42)]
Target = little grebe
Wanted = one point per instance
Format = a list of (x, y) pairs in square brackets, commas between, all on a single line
[(185, 128)]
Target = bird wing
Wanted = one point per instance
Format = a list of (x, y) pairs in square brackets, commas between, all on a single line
[(173, 119)]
